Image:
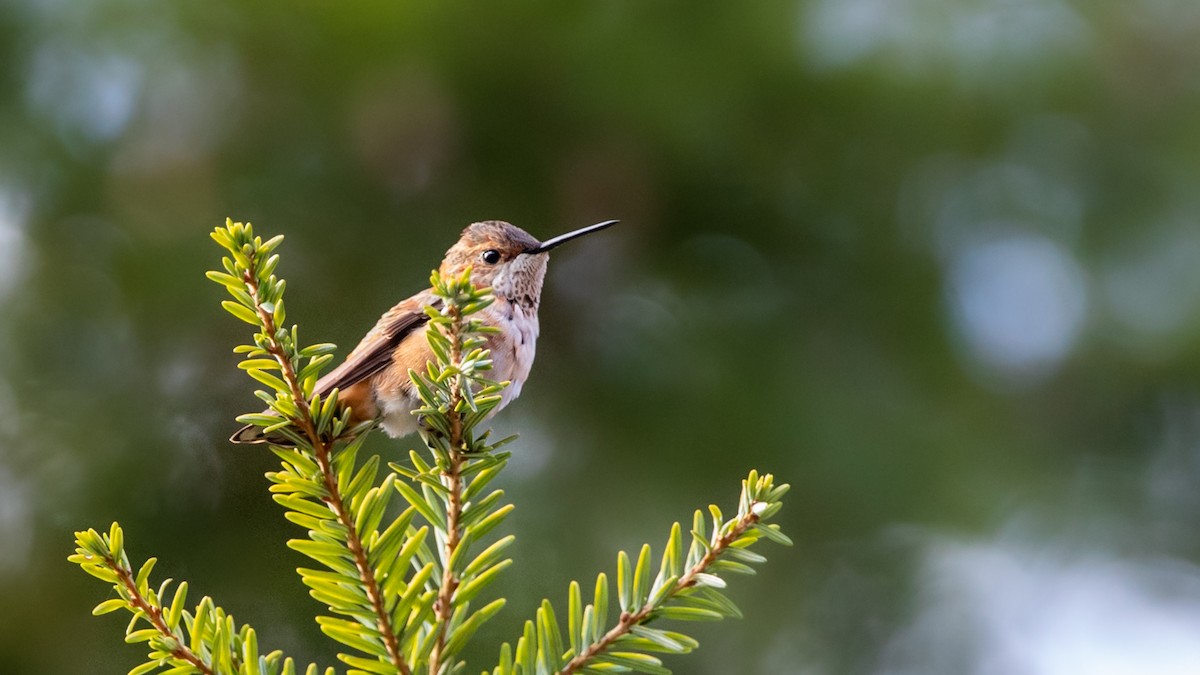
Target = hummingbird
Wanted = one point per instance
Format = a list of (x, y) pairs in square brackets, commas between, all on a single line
[(373, 380)]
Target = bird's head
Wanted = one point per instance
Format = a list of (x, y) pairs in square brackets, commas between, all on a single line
[(506, 258)]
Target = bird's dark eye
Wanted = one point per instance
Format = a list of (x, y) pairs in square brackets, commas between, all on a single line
[(491, 256)]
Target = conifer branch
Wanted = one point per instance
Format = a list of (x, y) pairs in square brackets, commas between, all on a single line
[(333, 497), (687, 588), (401, 601), (456, 398), (629, 620), (204, 641)]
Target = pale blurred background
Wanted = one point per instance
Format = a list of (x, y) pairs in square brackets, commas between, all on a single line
[(936, 263)]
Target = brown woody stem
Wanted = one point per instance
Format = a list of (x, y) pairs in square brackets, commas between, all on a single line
[(443, 607), (155, 616), (333, 498)]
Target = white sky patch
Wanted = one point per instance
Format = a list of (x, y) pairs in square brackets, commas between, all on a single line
[(16, 523), (14, 249), (1000, 608), (93, 95), (16, 509), (1019, 302), (1003, 231)]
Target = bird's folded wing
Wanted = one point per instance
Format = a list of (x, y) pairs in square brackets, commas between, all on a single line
[(372, 355), (374, 352)]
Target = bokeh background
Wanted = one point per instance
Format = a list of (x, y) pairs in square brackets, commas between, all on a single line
[(936, 263)]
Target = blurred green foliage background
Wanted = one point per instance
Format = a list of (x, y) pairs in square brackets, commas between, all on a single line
[(934, 262)]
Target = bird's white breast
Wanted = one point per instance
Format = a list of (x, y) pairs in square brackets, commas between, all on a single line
[(514, 347)]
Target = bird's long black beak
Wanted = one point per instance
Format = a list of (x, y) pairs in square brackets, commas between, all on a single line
[(563, 238)]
